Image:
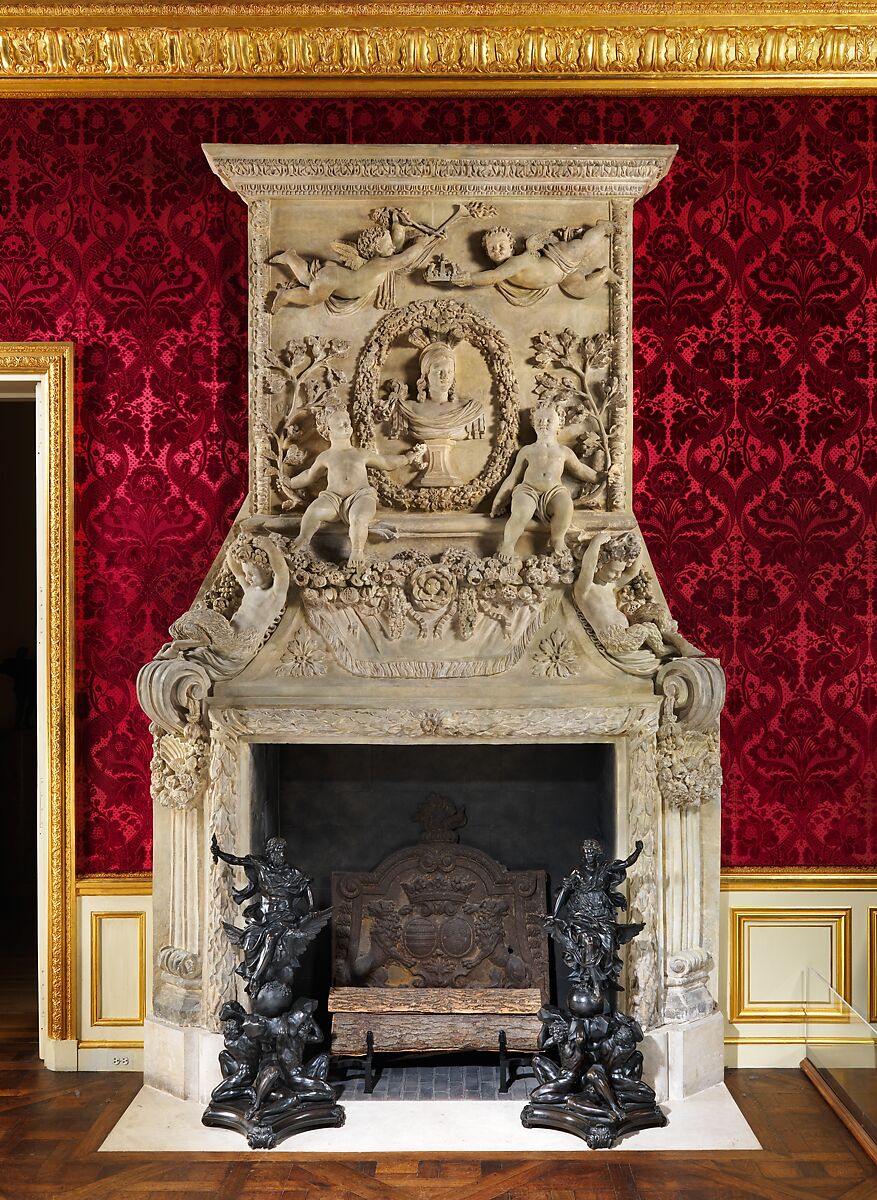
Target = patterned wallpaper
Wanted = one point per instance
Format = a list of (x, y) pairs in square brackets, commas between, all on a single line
[(756, 454)]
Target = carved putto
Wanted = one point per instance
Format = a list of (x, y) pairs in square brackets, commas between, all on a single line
[(584, 389), (567, 258), (394, 243), (367, 271), (347, 496), (535, 485)]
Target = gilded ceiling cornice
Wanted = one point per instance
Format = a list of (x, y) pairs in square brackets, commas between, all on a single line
[(269, 48)]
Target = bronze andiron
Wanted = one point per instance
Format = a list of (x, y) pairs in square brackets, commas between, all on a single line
[(268, 1092), (594, 1088)]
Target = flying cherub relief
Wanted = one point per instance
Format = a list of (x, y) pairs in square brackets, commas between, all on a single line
[(566, 258), (367, 271)]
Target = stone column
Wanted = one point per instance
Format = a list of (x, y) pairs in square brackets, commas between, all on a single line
[(689, 775), (222, 807), (644, 805)]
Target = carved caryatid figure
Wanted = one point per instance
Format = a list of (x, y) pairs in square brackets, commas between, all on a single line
[(223, 645), (535, 484), (608, 565), (348, 496), (437, 417), (564, 258)]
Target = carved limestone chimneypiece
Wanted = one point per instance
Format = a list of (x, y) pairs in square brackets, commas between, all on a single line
[(438, 546)]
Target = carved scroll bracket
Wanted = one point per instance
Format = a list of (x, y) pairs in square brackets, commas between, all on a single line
[(170, 690), (696, 689)]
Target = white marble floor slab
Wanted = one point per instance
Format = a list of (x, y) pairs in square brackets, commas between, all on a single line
[(158, 1123)]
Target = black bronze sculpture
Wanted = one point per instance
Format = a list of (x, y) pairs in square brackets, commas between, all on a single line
[(267, 1091), (593, 1088)]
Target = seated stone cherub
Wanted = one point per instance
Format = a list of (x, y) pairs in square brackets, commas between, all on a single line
[(535, 485), (348, 496), (609, 564), (566, 258)]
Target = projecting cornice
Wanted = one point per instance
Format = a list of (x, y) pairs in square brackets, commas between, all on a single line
[(273, 48)]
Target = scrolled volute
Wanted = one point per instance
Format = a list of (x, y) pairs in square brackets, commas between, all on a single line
[(695, 687), (168, 689)]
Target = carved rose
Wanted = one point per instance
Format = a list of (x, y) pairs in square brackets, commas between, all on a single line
[(555, 657), (432, 587)]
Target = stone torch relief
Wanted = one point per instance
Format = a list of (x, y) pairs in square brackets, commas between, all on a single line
[(440, 473)]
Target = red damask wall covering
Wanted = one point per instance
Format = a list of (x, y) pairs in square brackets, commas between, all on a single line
[(756, 452)]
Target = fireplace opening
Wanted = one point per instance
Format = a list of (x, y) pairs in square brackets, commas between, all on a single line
[(347, 807)]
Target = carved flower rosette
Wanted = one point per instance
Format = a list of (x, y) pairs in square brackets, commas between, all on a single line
[(410, 617), (439, 317)]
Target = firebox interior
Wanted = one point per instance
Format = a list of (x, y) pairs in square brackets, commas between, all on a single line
[(345, 808)]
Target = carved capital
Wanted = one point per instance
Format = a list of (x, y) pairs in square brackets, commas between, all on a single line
[(179, 765), (689, 768)]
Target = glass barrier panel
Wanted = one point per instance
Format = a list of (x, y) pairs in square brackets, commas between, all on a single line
[(844, 1053)]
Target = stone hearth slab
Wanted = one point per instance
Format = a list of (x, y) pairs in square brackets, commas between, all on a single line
[(156, 1123)]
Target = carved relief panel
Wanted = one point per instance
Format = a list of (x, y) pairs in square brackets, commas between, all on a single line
[(440, 298)]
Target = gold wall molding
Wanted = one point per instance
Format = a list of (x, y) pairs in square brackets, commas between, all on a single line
[(107, 49), (742, 921), (777, 879), (872, 965), (97, 967), (53, 361), (136, 884), (109, 1044), (797, 1041)]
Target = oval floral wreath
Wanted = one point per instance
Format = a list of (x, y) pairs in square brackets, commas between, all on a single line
[(439, 317)]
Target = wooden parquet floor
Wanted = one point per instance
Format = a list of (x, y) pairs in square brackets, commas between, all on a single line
[(52, 1124)]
